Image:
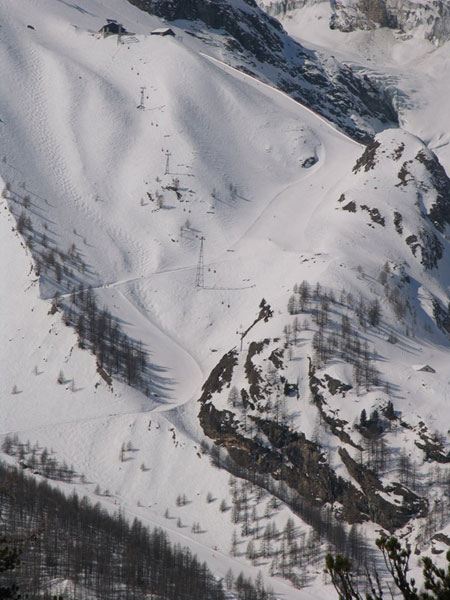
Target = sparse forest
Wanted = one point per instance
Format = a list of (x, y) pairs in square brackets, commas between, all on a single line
[(59, 537), (340, 325), (290, 553), (117, 354)]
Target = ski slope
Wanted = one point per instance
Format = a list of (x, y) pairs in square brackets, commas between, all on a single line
[(231, 160)]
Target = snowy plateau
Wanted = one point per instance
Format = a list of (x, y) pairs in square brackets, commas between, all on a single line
[(225, 277)]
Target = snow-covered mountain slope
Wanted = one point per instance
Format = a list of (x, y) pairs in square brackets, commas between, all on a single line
[(244, 36), (412, 69), (363, 324), (119, 198)]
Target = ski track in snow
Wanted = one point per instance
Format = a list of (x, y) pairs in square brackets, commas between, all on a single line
[(258, 83)]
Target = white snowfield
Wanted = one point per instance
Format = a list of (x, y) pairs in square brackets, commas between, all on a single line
[(258, 177)]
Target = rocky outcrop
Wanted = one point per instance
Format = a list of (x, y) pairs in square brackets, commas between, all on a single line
[(439, 213), (279, 8), (441, 316), (288, 457), (407, 16), (416, 172), (367, 160), (221, 375), (337, 426), (432, 16), (266, 447), (362, 14), (257, 44), (392, 515), (262, 36), (251, 372), (431, 445)]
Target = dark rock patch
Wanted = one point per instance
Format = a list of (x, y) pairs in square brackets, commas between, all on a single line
[(220, 376), (374, 214), (350, 207), (398, 219), (403, 174), (368, 159)]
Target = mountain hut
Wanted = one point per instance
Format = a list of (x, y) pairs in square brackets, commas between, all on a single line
[(163, 31), (112, 28)]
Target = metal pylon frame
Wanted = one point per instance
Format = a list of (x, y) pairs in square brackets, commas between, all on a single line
[(142, 101), (200, 273)]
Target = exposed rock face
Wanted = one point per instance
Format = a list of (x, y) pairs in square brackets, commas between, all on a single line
[(349, 15), (257, 44), (261, 36), (432, 16), (271, 448), (289, 457), (407, 15), (439, 213), (336, 425), (414, 170), (220, 375), (391, 514), (279, 8)]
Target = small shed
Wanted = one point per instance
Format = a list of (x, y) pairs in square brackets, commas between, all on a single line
[(113, 28), (163, 31)]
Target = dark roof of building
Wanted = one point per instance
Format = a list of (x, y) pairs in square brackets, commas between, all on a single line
[(427, 369), (163, 31)]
